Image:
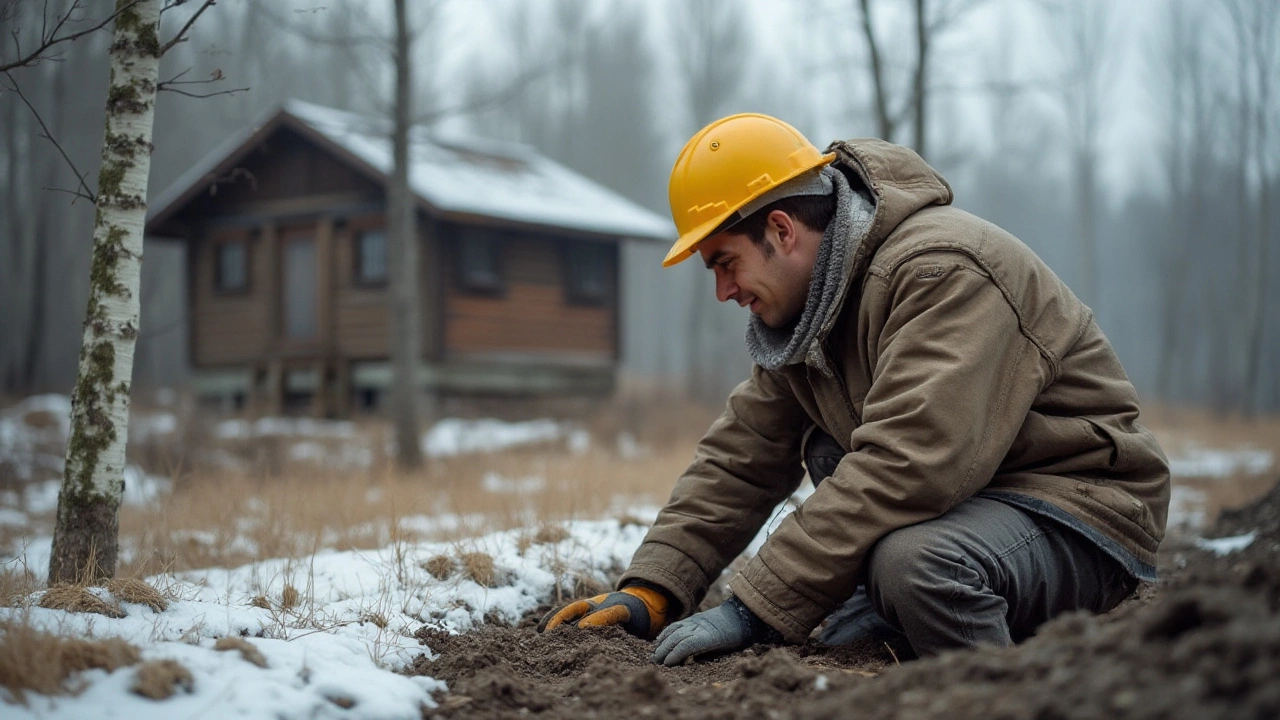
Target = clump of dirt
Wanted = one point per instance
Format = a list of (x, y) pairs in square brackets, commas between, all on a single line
[(1205, 642), (605, 673)]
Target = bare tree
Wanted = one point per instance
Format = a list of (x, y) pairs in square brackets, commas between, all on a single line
[(1256, 29), (406, 304), (1086, 34), (928, 22), (711, 46), (86, 532)]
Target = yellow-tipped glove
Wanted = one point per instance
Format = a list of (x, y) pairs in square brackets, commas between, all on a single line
[(639, 610)]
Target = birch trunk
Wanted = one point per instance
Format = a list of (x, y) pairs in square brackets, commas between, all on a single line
[(86, 536)]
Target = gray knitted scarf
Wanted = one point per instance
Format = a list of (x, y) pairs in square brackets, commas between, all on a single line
[(772, 348)]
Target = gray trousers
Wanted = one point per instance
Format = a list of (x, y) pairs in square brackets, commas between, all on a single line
[(984, 573)]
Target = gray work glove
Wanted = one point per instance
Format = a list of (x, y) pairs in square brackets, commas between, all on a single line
[(722, 629)]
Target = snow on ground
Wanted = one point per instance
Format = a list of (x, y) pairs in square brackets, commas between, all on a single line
[(351, 628), (1227, 545), (1193, 460)]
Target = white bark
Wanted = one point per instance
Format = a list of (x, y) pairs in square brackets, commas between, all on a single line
[(86, 534)]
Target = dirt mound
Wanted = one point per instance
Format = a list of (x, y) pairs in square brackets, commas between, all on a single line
[(605, 673), (1262, 517), (1205, 643)]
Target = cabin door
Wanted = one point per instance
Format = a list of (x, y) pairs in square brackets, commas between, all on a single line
[(300, 298)]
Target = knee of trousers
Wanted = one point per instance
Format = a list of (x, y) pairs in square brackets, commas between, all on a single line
[(911, 565)]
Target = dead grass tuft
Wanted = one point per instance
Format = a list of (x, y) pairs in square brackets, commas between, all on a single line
[(479, 566), (440, 566), (137, 591), (290, 597), (261, 601), (550, 535), (629, 520), (78, 599), (16, 585), (248, 650), (160, 679), (377, 619), (39, 662)]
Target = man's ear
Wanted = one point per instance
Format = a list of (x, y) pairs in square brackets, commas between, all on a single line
[(782, 224)]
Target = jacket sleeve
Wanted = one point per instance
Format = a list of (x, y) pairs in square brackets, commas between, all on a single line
[(746, 464), (953, 378)]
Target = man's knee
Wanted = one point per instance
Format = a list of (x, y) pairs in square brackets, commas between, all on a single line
[(914, 564)]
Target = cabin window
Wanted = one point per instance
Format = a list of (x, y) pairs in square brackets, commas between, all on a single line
[(233, 266), (479, 268), (587, 272), (371, 257)]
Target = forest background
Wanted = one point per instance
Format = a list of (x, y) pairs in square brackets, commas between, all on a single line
[(1135, 146)]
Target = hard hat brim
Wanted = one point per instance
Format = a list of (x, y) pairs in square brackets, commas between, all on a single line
[(687, 244)]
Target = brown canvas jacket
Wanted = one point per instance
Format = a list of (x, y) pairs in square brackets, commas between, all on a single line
[(962, 364)]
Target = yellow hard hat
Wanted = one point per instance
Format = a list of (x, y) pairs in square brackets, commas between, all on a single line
[(729, 163)]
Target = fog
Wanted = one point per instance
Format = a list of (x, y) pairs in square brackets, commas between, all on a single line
[(1134, 146)]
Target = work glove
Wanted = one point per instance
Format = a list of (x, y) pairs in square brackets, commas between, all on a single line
[(641, 611), (731, 626)]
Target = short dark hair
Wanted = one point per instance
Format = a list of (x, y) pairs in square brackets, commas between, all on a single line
[(812, 211)]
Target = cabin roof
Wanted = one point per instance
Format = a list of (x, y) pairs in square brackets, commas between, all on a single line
[(449, 174)]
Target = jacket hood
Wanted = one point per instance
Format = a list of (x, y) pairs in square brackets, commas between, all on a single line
[(900, 182)]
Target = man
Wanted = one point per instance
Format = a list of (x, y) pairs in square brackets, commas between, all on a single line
[(973, 441)]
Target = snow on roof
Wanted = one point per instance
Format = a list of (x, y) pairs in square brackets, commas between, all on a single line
[(466, 175)]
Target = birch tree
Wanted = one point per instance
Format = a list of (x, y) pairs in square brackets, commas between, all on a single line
[(86, 533)]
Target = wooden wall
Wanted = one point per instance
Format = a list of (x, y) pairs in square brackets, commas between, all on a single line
[(229, 328), (533, 313)]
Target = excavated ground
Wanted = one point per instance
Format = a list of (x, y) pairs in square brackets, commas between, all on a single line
[(1204, 643)]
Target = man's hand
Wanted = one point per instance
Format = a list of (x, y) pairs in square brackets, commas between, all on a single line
[(639, 610), (732, 626)]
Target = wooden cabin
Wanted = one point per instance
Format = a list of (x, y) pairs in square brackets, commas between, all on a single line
[(287, 266)]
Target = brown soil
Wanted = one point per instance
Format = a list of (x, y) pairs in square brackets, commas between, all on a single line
[(1204, 643)]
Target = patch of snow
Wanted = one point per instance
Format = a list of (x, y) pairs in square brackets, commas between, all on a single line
[(145, 427), (10, 517), (42, 497), (1196, 461), (284, 427), (454, 436), (579, 441), (1227, 545), (629, 448), (353, 626), (141, 489), (495, 483), (1186, 507)]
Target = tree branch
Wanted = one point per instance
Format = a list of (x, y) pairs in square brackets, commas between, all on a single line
[(50, 38), (168, 85), (182, 34), (49, 136)]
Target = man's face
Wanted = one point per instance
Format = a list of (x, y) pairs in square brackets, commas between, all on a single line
[(772, 285)]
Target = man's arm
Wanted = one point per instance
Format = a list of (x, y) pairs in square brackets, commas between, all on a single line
[(954, 378), (746, 464)]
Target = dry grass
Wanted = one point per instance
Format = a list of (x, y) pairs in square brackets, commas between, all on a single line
[(137, 591), (480, 568), (550, 535), (160, 679), (39, 662), (440, 567), (290, 597), (231, 518), (247, 650), (78, 599)]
